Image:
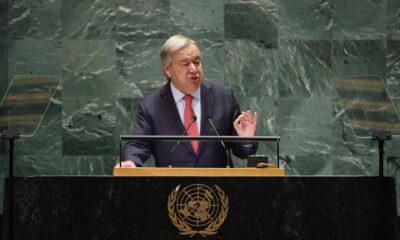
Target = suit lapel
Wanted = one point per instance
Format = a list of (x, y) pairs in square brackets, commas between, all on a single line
[(207, 103), (168, 105)]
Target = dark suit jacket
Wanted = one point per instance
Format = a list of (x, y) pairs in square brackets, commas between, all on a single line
[(158, 115)]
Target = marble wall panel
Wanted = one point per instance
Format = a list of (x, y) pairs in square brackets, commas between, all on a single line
[(250, 68), (213, 53), (71, 165), (31, 56), (393, 20), (297, 120), (257, 20), (198, 19), (34, 19), (88, 126), (139, 67), (359, 19), (3, 19), (89, 68), (306, 20), (126, 112), (304, 68), (353, 165), (359, 58), (87, 19), (4, 83), (143, 19), (312, 164), (393, 68)]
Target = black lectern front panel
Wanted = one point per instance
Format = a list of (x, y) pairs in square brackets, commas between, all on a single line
[(204, 208)]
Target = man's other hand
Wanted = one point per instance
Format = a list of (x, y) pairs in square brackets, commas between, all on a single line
[(246, 124), (127, 164)]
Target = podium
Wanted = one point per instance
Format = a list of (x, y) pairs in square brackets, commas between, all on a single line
[(156, 206)]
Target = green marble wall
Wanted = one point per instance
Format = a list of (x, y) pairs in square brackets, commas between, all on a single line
[(278, 56)]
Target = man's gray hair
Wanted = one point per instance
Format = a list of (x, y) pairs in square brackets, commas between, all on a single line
[(172, 45)]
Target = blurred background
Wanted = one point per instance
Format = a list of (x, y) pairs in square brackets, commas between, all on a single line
[(281, 58)]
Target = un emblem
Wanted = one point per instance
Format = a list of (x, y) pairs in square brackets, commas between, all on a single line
[(198, 209)]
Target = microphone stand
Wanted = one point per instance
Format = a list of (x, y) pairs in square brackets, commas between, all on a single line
[(228, 154), (381, 136), (172, 153), (10, 135), (194, 119)]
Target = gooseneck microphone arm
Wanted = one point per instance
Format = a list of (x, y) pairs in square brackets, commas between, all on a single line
[(194, 118), (228, 155)]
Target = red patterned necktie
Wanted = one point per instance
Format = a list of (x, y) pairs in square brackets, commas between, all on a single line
[(188, 115)]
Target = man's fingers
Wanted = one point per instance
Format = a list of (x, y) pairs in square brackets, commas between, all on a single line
[(240, 118), (255, 116), (249, 116)]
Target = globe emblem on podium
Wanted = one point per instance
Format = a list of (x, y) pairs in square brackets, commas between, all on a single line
[(198, 209), (197, 205)]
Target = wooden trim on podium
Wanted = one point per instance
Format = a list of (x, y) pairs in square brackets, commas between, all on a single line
[(241, 172)]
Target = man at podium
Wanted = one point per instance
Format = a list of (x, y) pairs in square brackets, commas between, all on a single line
[(188, 104)]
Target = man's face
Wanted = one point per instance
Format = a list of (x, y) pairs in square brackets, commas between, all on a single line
[(185, 70)]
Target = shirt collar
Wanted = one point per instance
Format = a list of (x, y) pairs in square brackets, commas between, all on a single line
[(178, 95)]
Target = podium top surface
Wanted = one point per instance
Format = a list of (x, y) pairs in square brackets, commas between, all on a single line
[(212, 172)]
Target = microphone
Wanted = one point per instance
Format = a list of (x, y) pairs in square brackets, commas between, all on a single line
[(194, 118), (228, 155)]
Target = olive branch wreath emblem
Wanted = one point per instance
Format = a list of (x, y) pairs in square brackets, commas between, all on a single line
[(184, 228)]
